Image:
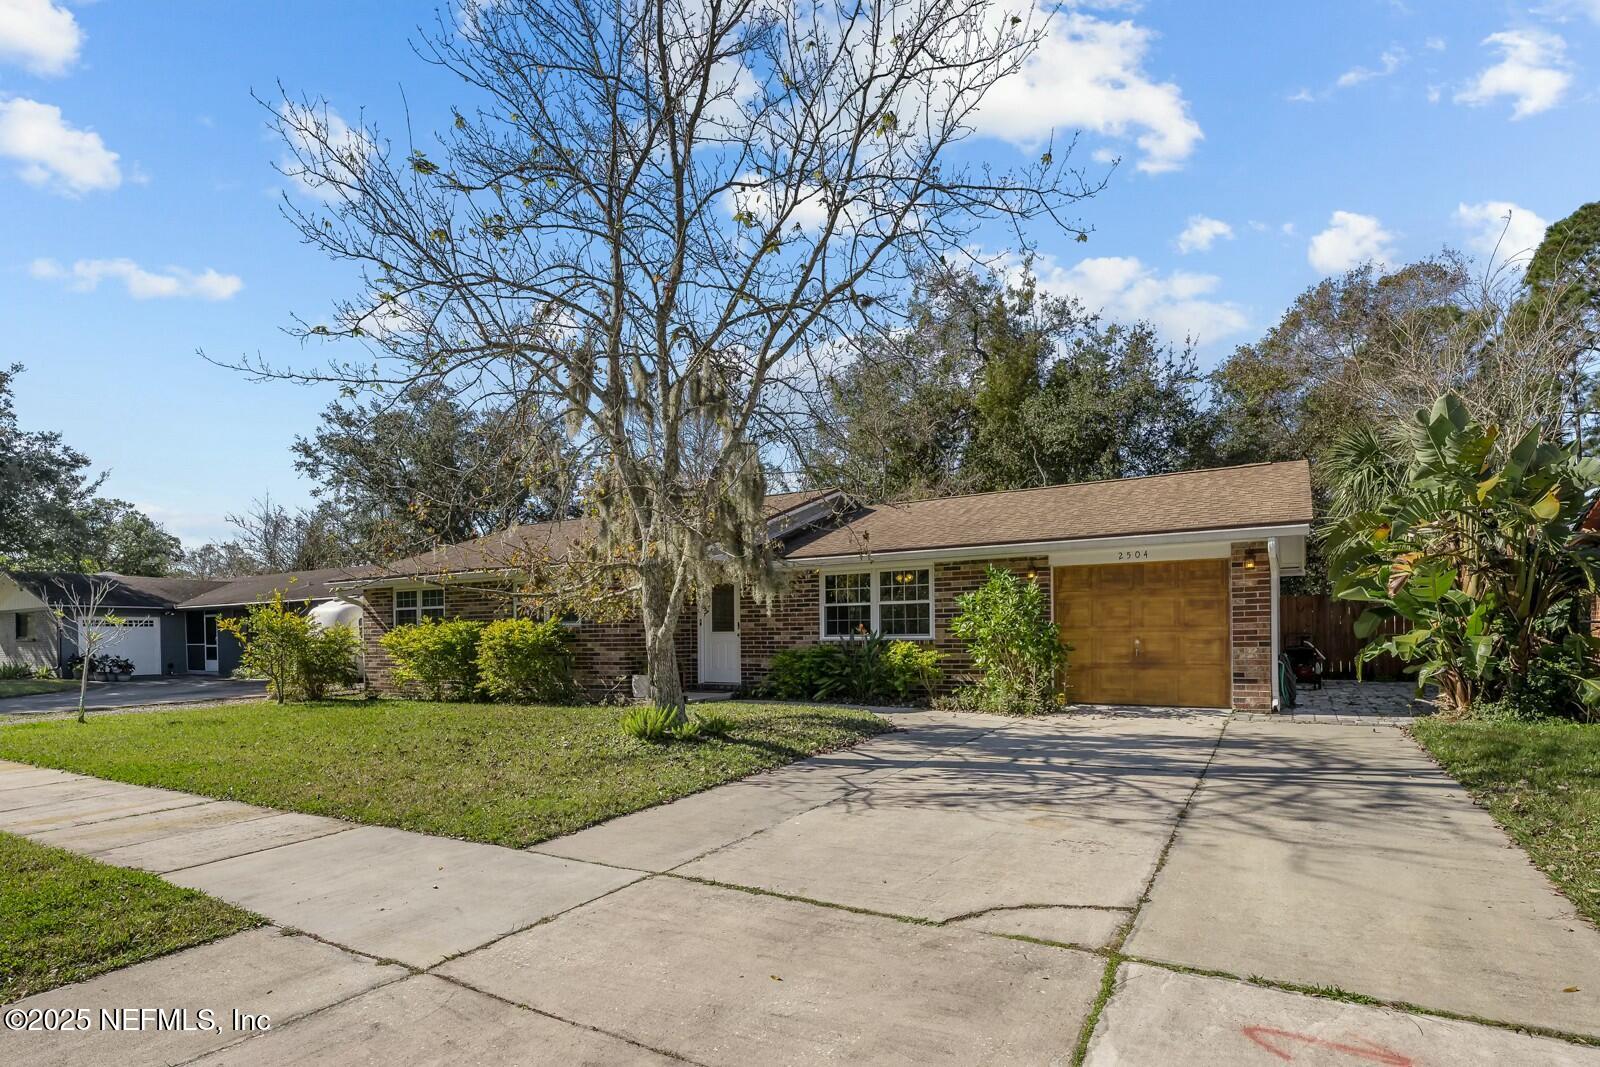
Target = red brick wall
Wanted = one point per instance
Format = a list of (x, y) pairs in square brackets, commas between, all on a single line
[(604, 654), (794, 618), (1250, 610)]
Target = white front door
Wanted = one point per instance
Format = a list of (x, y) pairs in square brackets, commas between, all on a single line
[(719, 637)]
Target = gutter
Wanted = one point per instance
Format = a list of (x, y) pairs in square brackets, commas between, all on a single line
[(1238, 533), (1272, 572)]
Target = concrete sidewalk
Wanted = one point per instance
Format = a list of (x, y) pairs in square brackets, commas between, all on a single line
[(942, 895)]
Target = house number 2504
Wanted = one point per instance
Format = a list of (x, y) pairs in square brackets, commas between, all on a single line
[(1132, 553)]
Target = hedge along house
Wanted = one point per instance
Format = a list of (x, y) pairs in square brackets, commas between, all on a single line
[(165, 626), (1166, 587)]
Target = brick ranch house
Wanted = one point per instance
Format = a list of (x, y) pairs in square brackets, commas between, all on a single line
[(1165, 586)]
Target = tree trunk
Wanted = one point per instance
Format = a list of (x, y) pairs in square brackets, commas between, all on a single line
[(83, 685), (660, 617)]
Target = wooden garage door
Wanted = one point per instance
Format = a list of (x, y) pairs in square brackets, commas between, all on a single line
[(1146, 633)]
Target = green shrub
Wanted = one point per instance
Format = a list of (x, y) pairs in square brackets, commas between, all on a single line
[(526, 661), (714, 723), (328, 660), (297, 660), (870, 670), (1005, 624), (441, 657), (651, 723), (44, 674), (795, 673), (914, 670), (12, 672)]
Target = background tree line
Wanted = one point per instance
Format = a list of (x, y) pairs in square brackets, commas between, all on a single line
[(992, 384)]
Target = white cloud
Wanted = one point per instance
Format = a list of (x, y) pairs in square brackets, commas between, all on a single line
[(322, 136), (1349, 241), (1502, 231), (1201, 233), (1532, 71), (1178, 304), (53, 153), (758, 197), (85, 276), (1561, 10), (1437, 44), (40, 35), (1389, 62), (1089, 74)]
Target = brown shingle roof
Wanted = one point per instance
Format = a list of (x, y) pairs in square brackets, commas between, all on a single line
[(1261, 494), (506, 548), (492, 552), (258, 588), (124, 590)]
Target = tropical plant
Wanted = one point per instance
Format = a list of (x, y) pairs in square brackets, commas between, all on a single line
[(1005, 624), (1483, 557), (441, 657), (528, 661), (10, 672), (866, 670), (651, 722), (713, 723)]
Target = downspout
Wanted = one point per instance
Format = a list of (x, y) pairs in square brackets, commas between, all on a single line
[(1272, 574)]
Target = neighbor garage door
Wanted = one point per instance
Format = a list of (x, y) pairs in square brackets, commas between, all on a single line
[(138, 639), (1146, 633)]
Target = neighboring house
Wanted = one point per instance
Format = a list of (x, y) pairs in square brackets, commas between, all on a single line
[(165, 625), (1166, 587)]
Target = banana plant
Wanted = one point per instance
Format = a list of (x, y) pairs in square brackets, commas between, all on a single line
[(1480, 553)]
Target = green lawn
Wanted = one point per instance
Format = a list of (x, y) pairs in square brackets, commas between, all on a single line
[(67, 918), (1542, 782), (21, 687), (504, 774)]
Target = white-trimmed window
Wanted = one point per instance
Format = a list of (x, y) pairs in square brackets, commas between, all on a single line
[(414, 605), (896, 603), (846, 604)]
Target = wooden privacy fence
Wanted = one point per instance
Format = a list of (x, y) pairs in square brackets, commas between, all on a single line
[(1331, 626)]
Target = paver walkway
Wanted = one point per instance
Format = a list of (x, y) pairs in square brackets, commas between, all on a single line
[(954, 893)]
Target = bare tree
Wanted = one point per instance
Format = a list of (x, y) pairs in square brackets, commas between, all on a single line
[(665, 218), (94, 630)]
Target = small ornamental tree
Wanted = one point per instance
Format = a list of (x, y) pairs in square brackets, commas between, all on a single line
[(442, 657), (94, 629), (1005, 624), (298, 660), (270, 638), (527, 661)]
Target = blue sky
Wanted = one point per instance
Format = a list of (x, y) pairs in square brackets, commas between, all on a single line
[(1262, 145)]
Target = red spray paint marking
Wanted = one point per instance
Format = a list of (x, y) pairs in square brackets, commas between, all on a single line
[(1273, 1040)]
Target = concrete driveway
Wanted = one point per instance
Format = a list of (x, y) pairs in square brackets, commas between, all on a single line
[(958, 892), (136, 692)]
